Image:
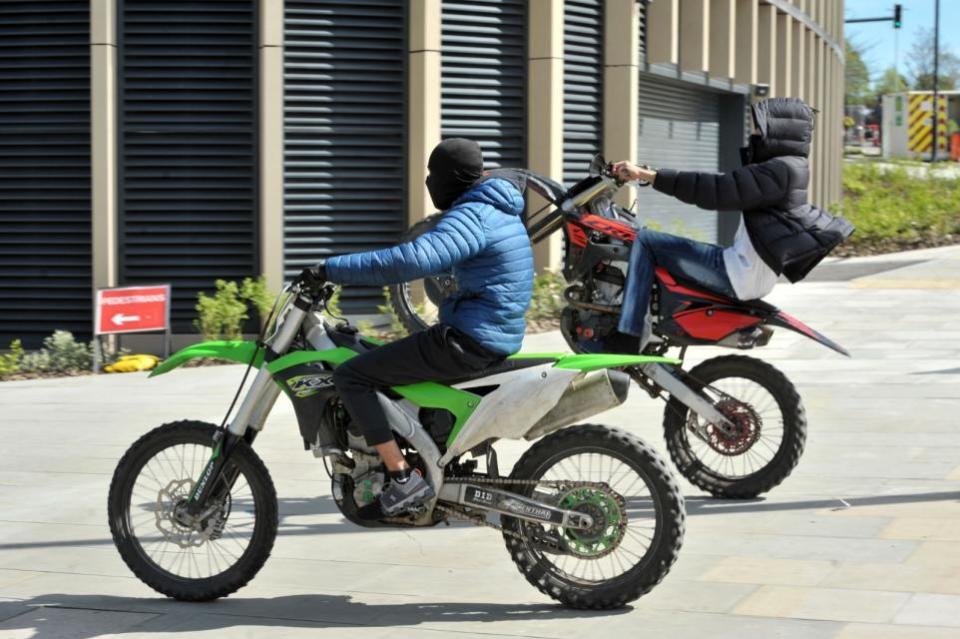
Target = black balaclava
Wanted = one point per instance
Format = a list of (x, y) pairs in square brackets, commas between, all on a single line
[(455, 165)]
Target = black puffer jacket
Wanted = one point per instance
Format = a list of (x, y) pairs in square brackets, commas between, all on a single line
[(789, 234)]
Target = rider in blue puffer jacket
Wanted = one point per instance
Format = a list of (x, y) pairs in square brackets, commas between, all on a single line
[(482, 239)]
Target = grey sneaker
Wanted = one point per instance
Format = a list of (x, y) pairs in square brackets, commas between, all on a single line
[(397, 498)]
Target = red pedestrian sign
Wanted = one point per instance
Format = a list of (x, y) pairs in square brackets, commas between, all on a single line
[(132, 309)]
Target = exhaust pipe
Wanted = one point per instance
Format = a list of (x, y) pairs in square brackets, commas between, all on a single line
[(587, 396)]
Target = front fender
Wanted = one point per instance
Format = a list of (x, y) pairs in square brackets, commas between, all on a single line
[(236, 351)]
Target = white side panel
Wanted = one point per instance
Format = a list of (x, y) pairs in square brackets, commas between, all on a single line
[(523, 398)]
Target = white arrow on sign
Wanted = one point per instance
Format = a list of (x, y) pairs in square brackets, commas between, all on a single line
[(120, 318)]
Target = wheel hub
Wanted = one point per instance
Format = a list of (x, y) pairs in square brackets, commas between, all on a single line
[(743, 434), (609, 516), (177, 526)]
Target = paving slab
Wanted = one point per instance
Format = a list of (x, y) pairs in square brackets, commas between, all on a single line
[(862, 540)]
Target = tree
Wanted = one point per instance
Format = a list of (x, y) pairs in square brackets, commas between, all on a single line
[(890, 82), (857, 76), (920, 63)]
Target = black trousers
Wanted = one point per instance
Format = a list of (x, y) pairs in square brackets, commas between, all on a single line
[(438, 354)]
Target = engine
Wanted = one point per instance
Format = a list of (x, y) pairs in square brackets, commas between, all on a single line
[(589, 321)]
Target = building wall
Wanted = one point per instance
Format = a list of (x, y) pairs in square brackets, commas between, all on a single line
[(727, 46)]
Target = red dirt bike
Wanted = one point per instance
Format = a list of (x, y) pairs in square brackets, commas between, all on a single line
[(735, 426)]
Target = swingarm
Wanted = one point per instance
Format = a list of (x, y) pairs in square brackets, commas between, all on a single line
[(508, 503)]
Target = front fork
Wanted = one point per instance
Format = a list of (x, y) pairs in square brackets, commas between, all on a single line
[(664, 378), (214, 483)]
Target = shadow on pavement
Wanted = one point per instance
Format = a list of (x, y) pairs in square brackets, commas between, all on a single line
[(696, 505), (291, 611), (709, 506)]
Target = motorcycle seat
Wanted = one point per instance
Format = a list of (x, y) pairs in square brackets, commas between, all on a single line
[(504, 366), (758, 304)]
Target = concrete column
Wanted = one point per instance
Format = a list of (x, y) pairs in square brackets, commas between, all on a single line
[(663, 31), (837, 100), (798, 85), (767, 47), (695, 35), (723, 39), (813, 99), (784, 55), (829, 124), (820, 91), (838, 89), (271, 142), (423, 102), (621, 61), (103, 141), (545, 109), (746, 41)]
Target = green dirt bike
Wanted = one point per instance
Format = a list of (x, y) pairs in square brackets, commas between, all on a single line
[(591, 515)]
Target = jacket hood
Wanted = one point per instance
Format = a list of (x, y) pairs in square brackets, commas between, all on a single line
[(786, 128), (498, 193)]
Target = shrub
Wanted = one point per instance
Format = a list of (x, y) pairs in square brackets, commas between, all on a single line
[(255, 292), (223, 314), (10, 362), (61, 353), (891, 204), (396, 329), (547, 299), (333, 304)]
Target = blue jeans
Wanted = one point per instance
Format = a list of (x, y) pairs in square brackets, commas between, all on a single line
[(697, 261)]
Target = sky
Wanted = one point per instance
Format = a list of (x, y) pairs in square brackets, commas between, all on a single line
[(877, 39)]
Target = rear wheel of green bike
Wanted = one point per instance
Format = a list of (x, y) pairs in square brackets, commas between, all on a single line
[(633, 499)]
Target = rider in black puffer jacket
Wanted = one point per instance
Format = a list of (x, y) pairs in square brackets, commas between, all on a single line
[(781, 234), (790, 235)]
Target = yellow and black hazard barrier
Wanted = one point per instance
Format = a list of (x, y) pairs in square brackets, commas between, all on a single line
[(920, 123)]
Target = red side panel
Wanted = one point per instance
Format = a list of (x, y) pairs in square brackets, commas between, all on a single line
[(618, 230), (576, 234), (713, 325), (664, 276), (667, 280)]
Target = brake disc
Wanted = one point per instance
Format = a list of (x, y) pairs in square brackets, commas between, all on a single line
[(174, 524)]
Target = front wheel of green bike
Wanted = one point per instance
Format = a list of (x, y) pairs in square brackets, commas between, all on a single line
[(629, 493), (191, 558)]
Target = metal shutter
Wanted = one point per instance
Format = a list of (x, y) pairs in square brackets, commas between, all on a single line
[(45, 259), (679, 128), (582, 86), (483, 66), (642, 10), (344, 123), (187, 145)]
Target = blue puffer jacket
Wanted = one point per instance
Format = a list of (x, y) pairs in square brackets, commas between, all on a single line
[(483, 240)]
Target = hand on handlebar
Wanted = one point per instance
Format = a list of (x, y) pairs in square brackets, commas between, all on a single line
[(627, 171), (313, 278)]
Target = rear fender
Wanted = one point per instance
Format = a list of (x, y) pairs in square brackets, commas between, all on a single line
[(788, 321), (241, 352)]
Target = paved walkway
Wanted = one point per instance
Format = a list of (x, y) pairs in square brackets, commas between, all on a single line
[(863, 541)]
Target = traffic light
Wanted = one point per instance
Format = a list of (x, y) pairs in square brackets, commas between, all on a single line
[(897, 10)]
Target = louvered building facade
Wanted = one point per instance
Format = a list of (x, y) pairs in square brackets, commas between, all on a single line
[(187, 141)]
